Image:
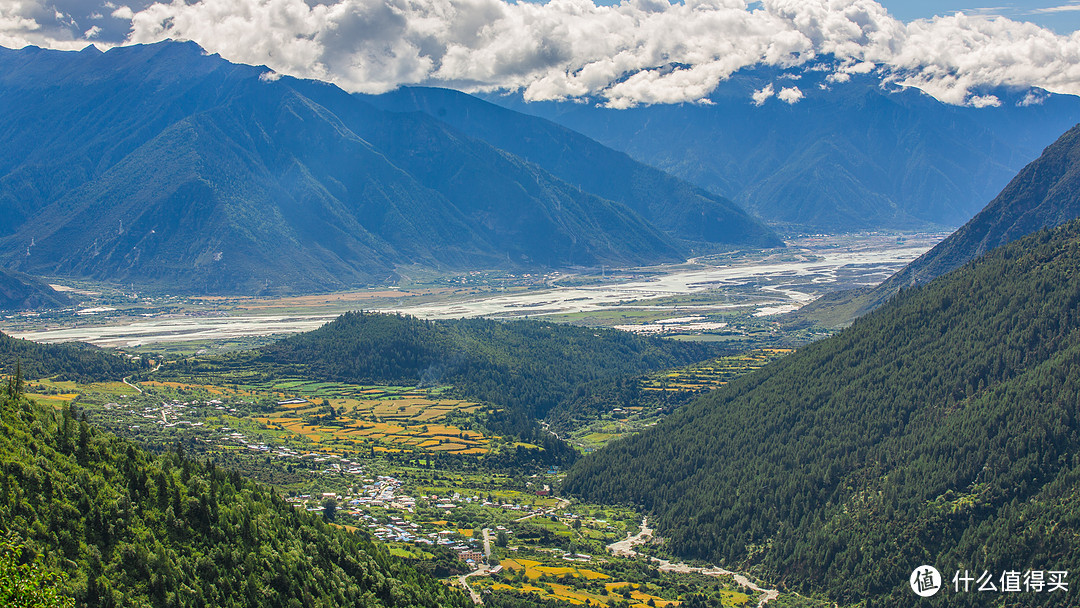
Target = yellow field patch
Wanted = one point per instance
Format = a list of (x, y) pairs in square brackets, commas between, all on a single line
[(448, 447), (55, 401), (556, 570), (394, 418), (527, 588), (563, 592)]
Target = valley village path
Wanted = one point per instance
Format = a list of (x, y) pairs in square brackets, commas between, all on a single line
[(625, 548), (481, 571)]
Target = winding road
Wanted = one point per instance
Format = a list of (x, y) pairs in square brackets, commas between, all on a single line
[(625, 548), (482, 570), (132, 385)]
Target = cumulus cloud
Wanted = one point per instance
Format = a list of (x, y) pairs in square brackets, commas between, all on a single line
[(790, 95), (635, 52), (760, 96)]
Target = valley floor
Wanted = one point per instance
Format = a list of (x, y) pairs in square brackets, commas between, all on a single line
[(734, 297)]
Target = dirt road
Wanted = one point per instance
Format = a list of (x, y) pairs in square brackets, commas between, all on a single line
[(482, 570), (625, 548)]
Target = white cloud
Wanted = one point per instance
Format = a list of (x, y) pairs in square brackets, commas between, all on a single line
[(1032, 98), (635, 52), (27, 22), (790, 95), (1056, 9), (762, 95)]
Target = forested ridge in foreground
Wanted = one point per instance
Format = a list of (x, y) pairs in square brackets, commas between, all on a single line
[(66, 361), (126, 528), (941, 429)]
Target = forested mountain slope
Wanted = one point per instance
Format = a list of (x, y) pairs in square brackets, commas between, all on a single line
[(681, 209), (134, 530), (941, 429), (66, 361), (162, 165), (1045, 193)]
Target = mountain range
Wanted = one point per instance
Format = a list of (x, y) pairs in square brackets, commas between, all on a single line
[(858, 155), (1045, 194), (165, 166), (939, 429), (21, 292), (675, 206)]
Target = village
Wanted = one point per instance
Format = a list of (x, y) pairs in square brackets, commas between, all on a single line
[(488, 531)]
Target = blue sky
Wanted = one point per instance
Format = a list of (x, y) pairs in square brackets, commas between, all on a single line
[(1062, 16), (1059, 15)]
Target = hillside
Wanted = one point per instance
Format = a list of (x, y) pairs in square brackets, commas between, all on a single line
[(1046, 193), (66, 361), (858, 155), (939, 429), (682, 210), (528, 367), (23, 292), (163, 166), (126, 528)]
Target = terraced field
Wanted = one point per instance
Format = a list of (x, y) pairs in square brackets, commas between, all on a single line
[(711, 374), (321, 415), (601, 423), (386, 418)]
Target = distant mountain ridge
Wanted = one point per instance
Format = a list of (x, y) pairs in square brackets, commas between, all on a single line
[(1045, 194), (857, 155), (21, 292), (675, 206), (164, 166)]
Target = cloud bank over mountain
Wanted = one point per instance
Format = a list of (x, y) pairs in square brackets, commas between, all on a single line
[(636, 52)]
